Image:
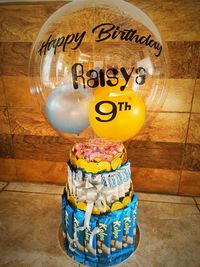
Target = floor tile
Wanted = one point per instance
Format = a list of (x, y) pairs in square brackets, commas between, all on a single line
[(170, 233), (35, 188), (170, 236), (2, 185), (165, 198), (29, 231), (197, 200)]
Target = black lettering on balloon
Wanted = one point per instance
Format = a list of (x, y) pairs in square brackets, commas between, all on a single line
[(43, 48), (99, 77), (63, 41), (101, 112), (112, 76), (102, 77), (103, 33), (78, 39), (107, 31), (94, 79), (126, 77), (68, 40), (77, 74)]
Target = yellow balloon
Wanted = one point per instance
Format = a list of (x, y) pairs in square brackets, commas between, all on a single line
[(107, 90), (117, 115)]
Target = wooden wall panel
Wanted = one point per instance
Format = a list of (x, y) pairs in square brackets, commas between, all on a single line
[(166, 127), (155, 155), (179, 95), (192, 157), (30, 122), (177, 21), (4, 122), (183, 59), (7, 169), (165, 156), (190, 183), (28, 19), (15, 58), (2, 95), (37, 171), (6, 148), (17, 91), (194, 129), (196, 101), (41, 147), (156, 180)]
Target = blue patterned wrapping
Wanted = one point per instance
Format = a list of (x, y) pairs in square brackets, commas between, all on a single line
[(91, 253), (64, 203), (117, 235), (104, 224), (113, 244), (79, 244), (129, 230)]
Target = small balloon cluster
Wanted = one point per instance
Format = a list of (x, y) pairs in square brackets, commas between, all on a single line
[(113, 115)]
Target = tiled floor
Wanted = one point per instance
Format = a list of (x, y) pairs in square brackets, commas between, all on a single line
[(30, 219)]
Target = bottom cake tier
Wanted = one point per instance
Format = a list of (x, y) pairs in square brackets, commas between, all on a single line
[(108, 239)]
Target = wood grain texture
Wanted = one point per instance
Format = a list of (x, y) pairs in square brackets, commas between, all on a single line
[(6, 149), (183, 59), (2, 95), (190, 183), (7, 169), (40, 171), (165, 155), (194, 129), (165, 127), (196, 100), (192, 157), (29, 121), (159, 155), (156, 180), (41, 147), (15, 58), (4, 122), (176, 20), (30, 17), (17, 91), (179, 95)]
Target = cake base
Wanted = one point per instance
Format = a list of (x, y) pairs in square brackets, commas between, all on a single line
[(62, 242)]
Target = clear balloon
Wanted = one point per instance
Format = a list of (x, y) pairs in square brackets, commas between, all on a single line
[(88, 47)]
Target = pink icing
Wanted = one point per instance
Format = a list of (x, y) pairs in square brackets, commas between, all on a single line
[(103, 151)]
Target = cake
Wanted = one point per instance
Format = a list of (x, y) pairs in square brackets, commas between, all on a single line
[(99, 206)]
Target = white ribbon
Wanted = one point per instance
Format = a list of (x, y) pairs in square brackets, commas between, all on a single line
[(94, 193)]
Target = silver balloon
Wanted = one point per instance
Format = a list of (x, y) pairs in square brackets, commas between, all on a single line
[(67, 109)]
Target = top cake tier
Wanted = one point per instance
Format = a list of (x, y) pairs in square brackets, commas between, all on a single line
[(96, 159)]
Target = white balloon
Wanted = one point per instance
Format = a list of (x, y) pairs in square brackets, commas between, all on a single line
[(67, 109)]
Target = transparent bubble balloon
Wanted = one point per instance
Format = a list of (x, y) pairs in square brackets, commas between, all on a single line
[(98, 68)]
